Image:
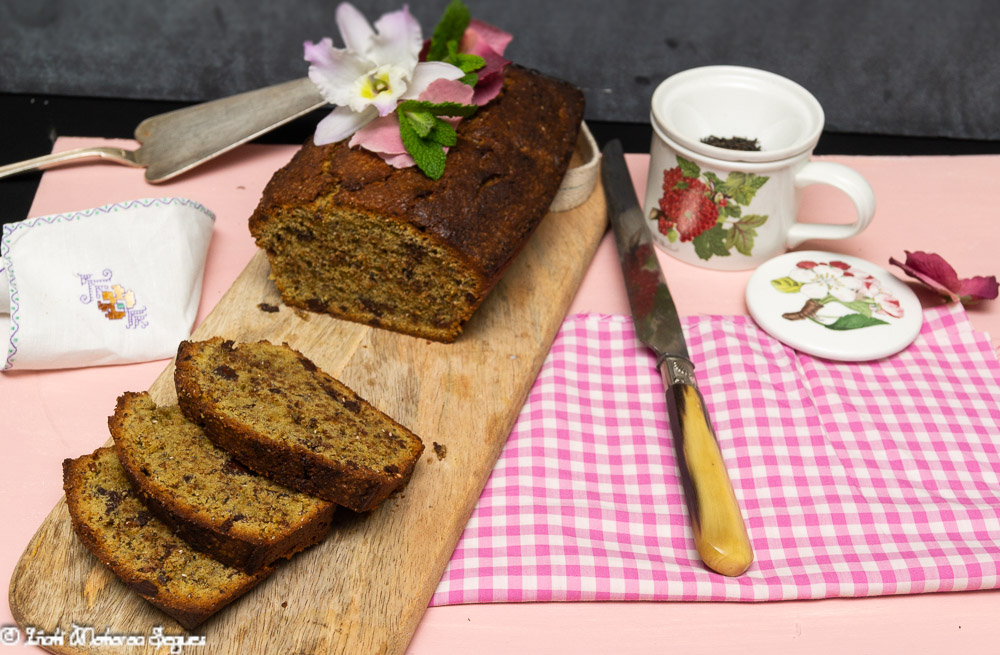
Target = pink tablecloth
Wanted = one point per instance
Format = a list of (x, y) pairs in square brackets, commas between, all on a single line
[(856, 479), (931, 203)]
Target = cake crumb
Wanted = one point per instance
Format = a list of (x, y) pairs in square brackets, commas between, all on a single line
[(440, 450), (267, 307)]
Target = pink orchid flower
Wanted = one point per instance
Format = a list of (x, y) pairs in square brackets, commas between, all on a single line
[(376, 70), (934, 272)]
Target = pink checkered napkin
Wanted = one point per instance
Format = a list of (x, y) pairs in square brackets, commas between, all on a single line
[(855, 479)]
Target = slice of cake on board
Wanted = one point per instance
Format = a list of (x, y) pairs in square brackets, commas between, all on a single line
[(278, 414), (213, 502), (144, 552)]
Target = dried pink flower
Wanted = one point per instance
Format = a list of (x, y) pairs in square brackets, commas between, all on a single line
[(937, 274)]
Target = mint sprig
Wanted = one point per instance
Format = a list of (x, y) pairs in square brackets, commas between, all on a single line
[(448, 36), (425, 134), (451, 27), (465, 62)]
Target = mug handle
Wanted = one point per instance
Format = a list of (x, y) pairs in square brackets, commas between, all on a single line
[(847, 180)]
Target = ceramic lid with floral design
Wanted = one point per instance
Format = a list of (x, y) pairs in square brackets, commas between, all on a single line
[(833, 306)]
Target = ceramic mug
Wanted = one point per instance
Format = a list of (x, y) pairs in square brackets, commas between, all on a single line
[(733, 209)]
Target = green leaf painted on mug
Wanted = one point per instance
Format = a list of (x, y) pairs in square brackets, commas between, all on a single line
[(711, 242), (714, 179), (752, 220), (742, 187), (688, 168), (742, 239)]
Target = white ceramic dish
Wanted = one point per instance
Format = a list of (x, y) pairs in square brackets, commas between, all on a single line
[(833, 306)]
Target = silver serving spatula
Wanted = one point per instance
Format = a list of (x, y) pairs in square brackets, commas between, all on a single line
[(177, 141)]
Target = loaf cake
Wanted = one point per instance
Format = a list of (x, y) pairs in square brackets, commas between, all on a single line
[(279, 415), (351, 236), (140, 549), (212, 501)]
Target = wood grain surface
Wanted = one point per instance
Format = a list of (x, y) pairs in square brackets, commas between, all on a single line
[(365, 588)]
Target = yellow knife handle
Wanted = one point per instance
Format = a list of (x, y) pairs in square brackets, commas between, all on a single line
[(719, 532)]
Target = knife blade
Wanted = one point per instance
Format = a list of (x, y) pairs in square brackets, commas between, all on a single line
[(716, 520)]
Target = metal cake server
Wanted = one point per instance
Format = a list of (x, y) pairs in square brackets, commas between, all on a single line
[(719, 532), (177, 141)]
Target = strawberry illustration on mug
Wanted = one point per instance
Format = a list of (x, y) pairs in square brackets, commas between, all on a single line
[(708, 211)]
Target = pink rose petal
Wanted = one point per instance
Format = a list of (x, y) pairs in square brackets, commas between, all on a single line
[(399, 161), (381, 136), (480, 35), (487, 89), (979, 287), (443, 90), (933, 271)]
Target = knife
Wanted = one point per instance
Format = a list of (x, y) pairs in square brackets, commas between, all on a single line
[(719, 532), (177, 141)]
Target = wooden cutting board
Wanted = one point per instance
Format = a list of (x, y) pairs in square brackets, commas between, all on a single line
[(365, 588)]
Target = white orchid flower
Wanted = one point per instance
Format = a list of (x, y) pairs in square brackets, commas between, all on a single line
[(377, 69)]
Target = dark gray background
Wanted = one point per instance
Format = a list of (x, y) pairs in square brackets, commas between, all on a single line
[(911, 68)]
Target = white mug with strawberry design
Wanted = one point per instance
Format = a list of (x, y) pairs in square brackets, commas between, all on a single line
[(730, 155)]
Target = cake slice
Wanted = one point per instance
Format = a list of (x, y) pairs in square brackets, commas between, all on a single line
[(279, 415), (213, 502), (349, 235), (140, 549)]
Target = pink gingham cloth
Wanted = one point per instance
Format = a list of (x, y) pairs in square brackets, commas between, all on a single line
[(855, 479)]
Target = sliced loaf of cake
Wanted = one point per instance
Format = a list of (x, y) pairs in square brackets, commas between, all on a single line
[(212, 501), (140, 549), (278, 414)]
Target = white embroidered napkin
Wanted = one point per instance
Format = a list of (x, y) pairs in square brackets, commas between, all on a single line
[(110, 285)]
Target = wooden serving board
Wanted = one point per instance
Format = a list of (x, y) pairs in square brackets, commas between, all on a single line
[(365, 588)]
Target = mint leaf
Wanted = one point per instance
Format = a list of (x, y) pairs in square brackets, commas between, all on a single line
[(688, 168), (438, 108), (428, 155), (854, 322), (443, 133), (451, 27), (425, 134), (466, 62), (422, 121)]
